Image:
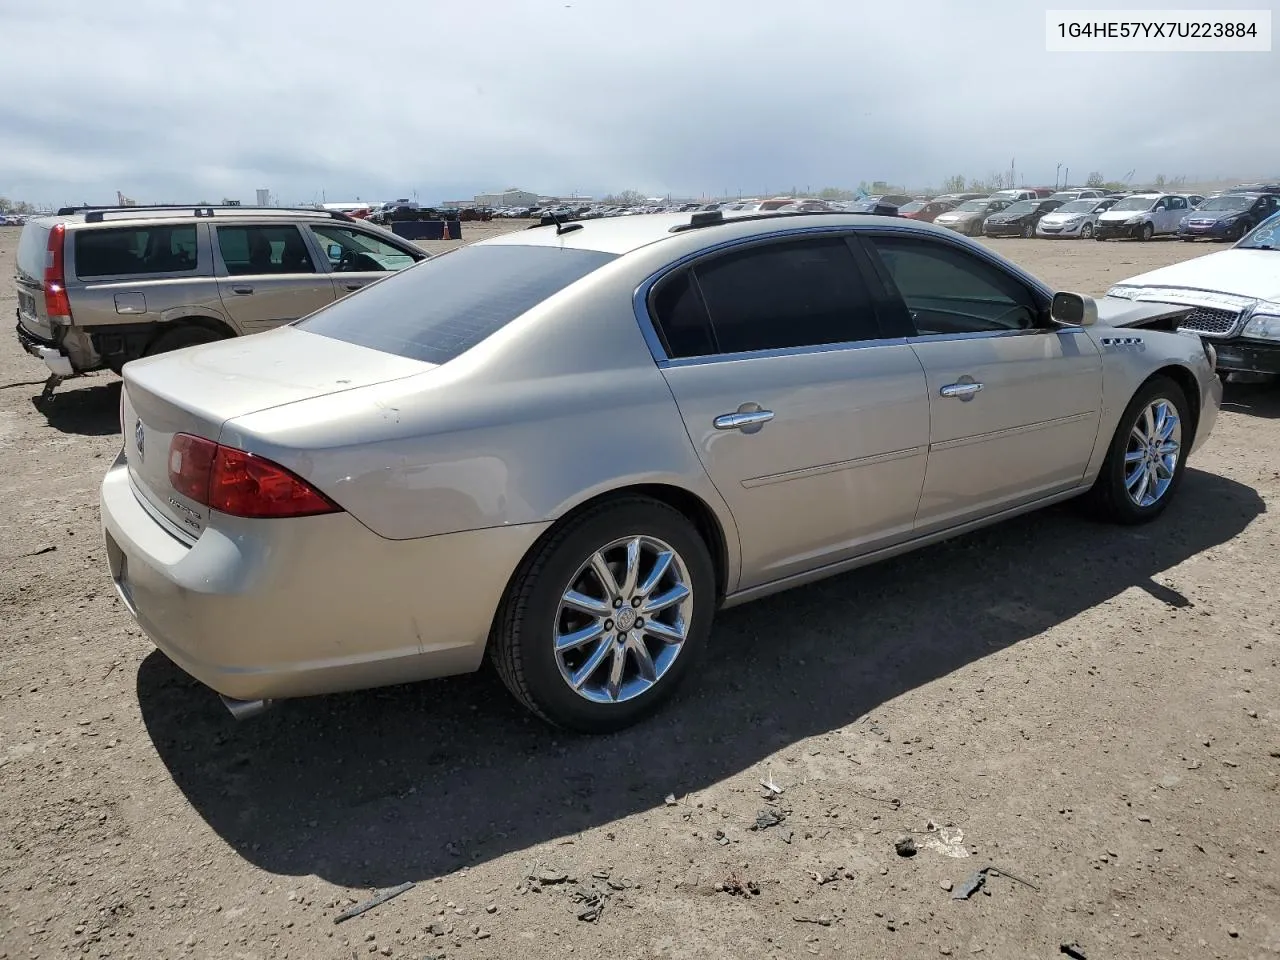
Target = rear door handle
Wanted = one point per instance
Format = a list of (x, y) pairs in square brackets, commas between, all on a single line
[(960, 391), (353, 286), (242, 291), (739, 421)]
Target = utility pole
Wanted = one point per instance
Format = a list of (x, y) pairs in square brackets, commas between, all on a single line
[(1055, 176)]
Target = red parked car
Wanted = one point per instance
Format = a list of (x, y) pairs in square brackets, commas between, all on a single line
[(925, 210)]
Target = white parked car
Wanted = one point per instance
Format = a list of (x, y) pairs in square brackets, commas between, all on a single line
[(1077, 219), (1236, 294), (1141, 216)]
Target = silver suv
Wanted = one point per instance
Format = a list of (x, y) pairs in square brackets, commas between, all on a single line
[(100, 286)]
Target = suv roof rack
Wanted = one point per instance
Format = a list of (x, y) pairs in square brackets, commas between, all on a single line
[(97, 214)]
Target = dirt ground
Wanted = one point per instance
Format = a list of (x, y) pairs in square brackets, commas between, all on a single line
[(1092, 711)]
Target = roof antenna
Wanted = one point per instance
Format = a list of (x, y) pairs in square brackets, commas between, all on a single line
[(562, 226)]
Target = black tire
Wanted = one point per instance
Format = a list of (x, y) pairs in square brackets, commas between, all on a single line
[(1109, 498), (1147, 232), (187, 335), (521, 641), (1236, 231)]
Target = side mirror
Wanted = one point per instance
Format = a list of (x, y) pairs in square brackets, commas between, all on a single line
[(1073, 310)]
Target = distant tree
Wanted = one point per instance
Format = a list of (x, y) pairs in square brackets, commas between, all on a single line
[(1095, 180), (627, 198), (1159, 181), (835, 193), (953, 184)]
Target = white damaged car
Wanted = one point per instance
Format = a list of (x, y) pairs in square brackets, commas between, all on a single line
[(1236, 296)]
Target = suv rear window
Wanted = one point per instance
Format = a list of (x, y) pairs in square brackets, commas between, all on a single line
[(442, 307), (128, 251)]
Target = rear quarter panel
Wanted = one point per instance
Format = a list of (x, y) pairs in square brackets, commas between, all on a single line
[(562, 405), (1132, 356)]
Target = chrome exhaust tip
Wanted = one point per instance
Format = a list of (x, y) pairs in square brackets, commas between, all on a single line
[(245, 709)]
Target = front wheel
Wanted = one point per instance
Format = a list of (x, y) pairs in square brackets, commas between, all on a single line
[(605, 618), (1148, 231), (1086, 231), (1145, 462), (1029, 231)]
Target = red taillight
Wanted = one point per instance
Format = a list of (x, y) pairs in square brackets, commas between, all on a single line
[(240, 484), (56, 303)]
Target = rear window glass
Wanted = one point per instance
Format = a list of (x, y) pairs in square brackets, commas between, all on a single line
[(121, 251), (33, 246), (442, 307)]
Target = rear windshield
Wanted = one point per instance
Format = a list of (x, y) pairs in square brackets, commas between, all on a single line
[(442, 307), (124, 251), (33, 248)]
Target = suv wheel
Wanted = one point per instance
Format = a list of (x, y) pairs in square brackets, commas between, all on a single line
[(605, 618), (179, 337)]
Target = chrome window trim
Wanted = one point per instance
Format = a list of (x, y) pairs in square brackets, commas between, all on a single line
[(640, 298)]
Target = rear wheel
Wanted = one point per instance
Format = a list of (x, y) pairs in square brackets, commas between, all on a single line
[(179, 337), (1145, 461), (605, 618)]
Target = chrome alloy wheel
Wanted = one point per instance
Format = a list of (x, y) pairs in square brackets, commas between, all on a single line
[(1151, 456), (623, 619)]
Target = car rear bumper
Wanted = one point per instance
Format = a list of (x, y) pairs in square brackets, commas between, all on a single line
[(270, 609), (50, 353), (1247, 356)]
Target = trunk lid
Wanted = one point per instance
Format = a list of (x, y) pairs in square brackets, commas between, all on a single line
[(199, 389)]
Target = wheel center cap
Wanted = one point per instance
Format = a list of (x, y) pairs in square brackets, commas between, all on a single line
[(626, 618)]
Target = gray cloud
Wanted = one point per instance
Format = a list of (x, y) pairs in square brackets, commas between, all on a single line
[(201, 100)]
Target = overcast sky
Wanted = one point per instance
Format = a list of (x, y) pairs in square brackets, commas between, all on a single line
[(173, 100)]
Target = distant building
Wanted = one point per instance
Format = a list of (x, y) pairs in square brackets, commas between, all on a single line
[(510, 197)]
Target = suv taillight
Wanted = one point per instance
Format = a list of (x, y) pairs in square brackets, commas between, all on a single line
[(240, 484), (57, 306)]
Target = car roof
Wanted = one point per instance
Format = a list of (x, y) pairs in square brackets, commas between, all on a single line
[(622, 235)]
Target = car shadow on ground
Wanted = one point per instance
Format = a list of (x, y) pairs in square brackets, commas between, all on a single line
[(411, 782), (1252, 399), (90, 411)]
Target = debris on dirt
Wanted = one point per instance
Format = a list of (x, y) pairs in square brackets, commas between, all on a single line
[(670, 800), (374, 901), (786, 836), (823, 879), (767, 818), (551, 877), (892, 802), (948, 841), (1000, 872), (822, 921), (905, 846), (1073, 950), (592, 900), (735, 886), (970, 886), (771, 789), (946, 885), (721, 839)]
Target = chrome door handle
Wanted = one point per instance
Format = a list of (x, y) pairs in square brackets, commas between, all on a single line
[(961, 391), (353, 286), (737, 421)]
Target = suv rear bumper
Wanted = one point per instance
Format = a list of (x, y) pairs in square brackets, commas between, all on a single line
[(59, 363)]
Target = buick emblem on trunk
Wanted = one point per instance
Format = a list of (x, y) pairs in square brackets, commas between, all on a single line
[(139, 438)]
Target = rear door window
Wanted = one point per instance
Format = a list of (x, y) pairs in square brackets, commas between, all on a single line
[(264, 250), (793, 293), (442, 307), (134, 251)]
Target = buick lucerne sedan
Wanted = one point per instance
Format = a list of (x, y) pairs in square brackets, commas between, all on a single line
[(567, 447)]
